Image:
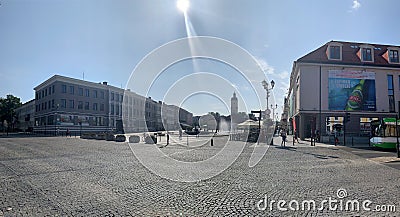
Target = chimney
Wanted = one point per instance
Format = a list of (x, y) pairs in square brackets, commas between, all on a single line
[(105, 82)]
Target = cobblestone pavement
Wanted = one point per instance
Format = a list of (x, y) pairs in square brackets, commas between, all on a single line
[(76, 177)]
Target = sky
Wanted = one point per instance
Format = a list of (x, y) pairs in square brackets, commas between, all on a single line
[(107, 39)]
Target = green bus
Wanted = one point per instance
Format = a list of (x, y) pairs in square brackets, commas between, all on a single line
[(384, 133)]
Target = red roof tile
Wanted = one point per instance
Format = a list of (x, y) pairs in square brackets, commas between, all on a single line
[(349, 55)]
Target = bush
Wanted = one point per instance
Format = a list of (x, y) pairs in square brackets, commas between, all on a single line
[(110, 137), (134, 139), (101, 136), (150, 140), (120, 138)]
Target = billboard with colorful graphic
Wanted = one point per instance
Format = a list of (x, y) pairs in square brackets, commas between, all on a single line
[(351, 90)]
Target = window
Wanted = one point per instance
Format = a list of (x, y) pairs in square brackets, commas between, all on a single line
[(53, 89), (71, 89), (95, 106), (112, 109), (49, 104), (52, 103), (117, 97), (394, 56), (80, 91), (391, 93), (112, 96), (117, 109), (94, 93), (42, 93), (86, 105), (50, 90), (334, 52), (71, 104), (87, 93), (80, 105), (101, 107), (102, 94), (45, 92), (63, 88), (63, 103), (366, 54)]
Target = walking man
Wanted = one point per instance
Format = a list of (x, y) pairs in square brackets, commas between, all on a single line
[(283, 135)]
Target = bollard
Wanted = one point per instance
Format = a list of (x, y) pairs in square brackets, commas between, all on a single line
[(212, 142)]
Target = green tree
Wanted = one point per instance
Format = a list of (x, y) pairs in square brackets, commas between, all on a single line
[(7, 108)]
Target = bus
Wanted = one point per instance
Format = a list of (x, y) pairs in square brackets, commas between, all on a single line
[(384, 133)]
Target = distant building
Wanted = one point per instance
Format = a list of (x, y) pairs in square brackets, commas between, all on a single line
[(63, 103), (343, 79), (25, 116)]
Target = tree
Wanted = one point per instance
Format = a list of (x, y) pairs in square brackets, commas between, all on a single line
[(7, 109)]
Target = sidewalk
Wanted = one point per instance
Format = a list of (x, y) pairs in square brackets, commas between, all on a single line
[(301, 143)]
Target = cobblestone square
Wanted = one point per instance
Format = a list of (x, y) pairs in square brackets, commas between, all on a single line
[(58, 176)]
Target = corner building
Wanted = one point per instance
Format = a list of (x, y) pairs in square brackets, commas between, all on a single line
[(343, 86)]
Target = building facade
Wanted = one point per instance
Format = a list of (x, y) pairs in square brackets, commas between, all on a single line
[(343, 86), (63, 103), (25, 116)]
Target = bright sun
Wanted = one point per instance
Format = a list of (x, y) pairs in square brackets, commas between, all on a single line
[(182, 5)]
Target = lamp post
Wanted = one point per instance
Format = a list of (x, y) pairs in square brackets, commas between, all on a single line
[(266, 87)]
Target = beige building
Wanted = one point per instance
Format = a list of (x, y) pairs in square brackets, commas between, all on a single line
[(343, 86), (63, 103), (25, 116)]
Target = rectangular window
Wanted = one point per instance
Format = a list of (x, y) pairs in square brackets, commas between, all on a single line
[(94, 93), (80, 91), (101, 107), (391, 93), (80, 105), (367, 54), (112, 96), (53, 89), (63, 103), (50, 90), (112, 109), (71, 89), (117, 97), (334, 52), (45, 92), (102, 94), (52, 103), (71, 104), (95, 106), (86, 105), (117, 109), (63, 88), (394, 56), (49, 104), (87, 92), (42, 93)]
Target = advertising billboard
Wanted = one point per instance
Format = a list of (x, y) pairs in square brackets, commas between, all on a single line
[(351, 90)]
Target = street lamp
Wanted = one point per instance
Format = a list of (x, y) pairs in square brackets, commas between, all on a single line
[(266, 87)]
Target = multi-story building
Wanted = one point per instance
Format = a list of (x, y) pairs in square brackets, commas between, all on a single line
[(343, 84), (63, 103), (25, 116)]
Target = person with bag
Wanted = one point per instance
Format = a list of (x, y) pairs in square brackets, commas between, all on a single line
[(283, 135)]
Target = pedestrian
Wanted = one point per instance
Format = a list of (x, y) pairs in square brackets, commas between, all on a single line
[(318, 136), (67, 133), (283, 135), (296, 138)]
